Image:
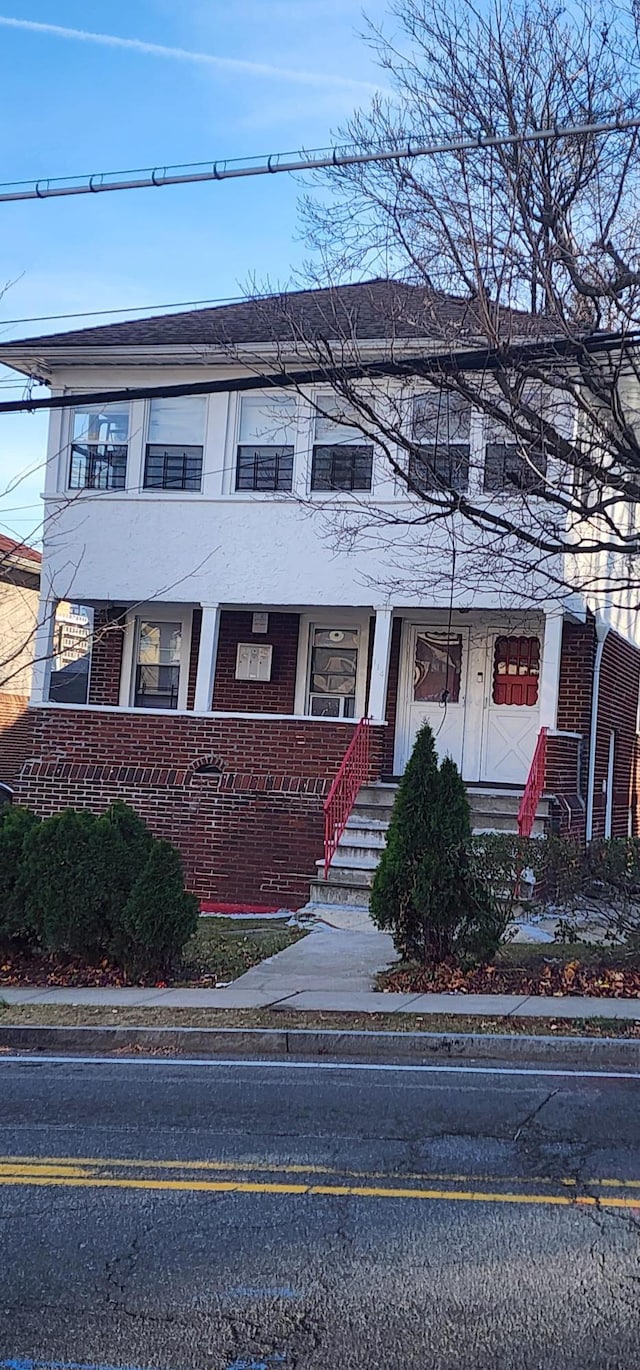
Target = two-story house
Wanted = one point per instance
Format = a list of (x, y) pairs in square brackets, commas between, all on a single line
[(237, 642)]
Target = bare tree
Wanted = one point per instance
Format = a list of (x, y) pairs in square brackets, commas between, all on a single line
[(524, 258)]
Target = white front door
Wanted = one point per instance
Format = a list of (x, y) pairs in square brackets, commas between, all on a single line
[(512, 711), (436, 690)]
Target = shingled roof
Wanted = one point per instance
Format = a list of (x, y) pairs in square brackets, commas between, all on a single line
[(375, 310)]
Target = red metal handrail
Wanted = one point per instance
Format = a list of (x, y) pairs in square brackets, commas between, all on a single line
[(534, 787), (353, 773)]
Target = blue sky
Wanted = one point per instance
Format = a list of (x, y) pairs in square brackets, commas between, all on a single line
[(280, 74)]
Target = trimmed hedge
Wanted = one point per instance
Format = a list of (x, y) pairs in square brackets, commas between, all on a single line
[(93, 887)]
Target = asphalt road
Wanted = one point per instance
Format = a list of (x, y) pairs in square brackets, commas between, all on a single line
[(252, 1215)]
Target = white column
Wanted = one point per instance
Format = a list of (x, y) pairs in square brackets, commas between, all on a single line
[(42, 650), (550, 672), (207, 654), (380, 664)]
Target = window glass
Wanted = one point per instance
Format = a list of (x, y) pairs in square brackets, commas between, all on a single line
[(267, 420), (437, 668), (99, 447), (178, 422), (516, 670), (342, 468), (108, 423), (71, 660), (157, 673), (333, 672), (441, 418), (338, 421)]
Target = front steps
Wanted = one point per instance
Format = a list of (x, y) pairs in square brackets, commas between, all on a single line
[(353, 867)]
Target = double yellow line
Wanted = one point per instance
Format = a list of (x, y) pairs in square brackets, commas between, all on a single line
[(98, 1173)]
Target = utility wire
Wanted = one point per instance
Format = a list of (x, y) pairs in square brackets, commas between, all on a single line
[(234, 168), (124, 309)]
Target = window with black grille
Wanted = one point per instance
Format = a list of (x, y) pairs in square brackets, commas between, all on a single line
[(99, 445), (441, 432), (175, 443), (342, 458), (507, 467), (266, 443)]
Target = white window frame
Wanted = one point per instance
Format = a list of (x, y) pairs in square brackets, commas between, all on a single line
[(155, 613), (318, 399), (234, 419), (160, 492), (64, 464), (338, 618)]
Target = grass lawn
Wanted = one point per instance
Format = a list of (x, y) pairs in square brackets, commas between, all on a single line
[(68, 1015), (220, 950), (223, 948)]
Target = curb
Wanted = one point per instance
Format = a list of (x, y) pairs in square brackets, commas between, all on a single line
[(399, 1048)]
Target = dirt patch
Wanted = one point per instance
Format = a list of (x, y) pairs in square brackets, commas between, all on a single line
[(68, 1015)]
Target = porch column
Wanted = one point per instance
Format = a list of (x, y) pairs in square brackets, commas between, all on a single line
[(43, 650), (550, 672), (207, 654), (380, 664)]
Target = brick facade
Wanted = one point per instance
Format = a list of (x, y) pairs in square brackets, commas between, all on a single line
[(106, 656), (275, 696), (249, 826), (617, 712), (392, 698), (15, 736), (568, 758)]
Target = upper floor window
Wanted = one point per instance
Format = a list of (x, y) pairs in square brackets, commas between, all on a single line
[(441, 434), (175, 444), (266, 440), (342, 454), (510, 464), (99, 441)]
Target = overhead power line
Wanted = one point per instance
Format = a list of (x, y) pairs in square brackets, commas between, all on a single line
[(429, 365), (234, 168), (124, 309)]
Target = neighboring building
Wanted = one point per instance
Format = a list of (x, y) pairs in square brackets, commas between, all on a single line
[(235, 647), (19, 595), (72, 636)]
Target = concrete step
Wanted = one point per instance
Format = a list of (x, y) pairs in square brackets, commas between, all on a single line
[(377, 795), (504, 822), (372, 825), (357, 839), (355, 896), (349, 874), (346, 861)]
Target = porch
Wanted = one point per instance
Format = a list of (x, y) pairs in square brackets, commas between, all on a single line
[(485, 680)]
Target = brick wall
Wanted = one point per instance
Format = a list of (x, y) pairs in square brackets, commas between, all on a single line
[(275, 696), (568, 758), (196, 630), (617, 710), (15, 736), (392, 698), (250, 828), (106, 656)]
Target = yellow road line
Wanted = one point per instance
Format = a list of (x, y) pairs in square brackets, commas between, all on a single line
[(337, 1191), (279, 1168)]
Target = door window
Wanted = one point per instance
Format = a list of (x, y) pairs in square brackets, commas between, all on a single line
[(437, 668), (157, 670), (333, 672), (516, 670)]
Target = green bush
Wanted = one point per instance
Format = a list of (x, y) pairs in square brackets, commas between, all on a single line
[(15, 825), (74, 883), (159, 916), (426, 891)]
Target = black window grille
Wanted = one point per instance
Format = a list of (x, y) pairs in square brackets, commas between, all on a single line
[(432, 468), (98, 466), (339, 466), (172, 467), (264, 468), (506, 469), (156, 687)]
